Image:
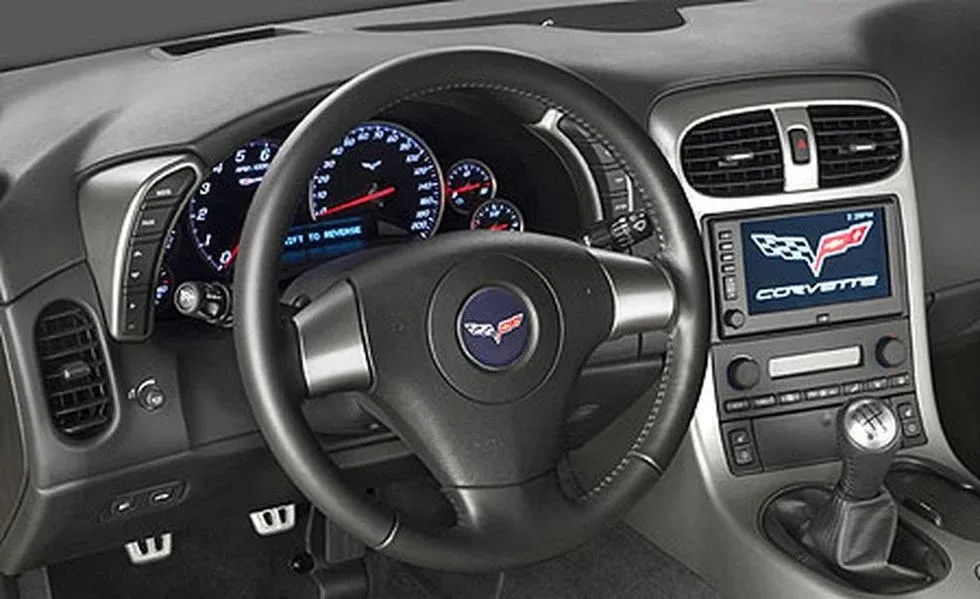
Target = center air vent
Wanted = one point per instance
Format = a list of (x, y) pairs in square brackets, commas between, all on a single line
[(732, 156), (855, 144), (73, 366)]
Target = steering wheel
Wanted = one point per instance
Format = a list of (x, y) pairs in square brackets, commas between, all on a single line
[(468, 345)]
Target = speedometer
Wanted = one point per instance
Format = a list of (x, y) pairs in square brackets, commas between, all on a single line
[(219, 206), (384, 172)]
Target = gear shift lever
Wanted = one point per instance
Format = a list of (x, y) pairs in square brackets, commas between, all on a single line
[(855, 531), (867, 439)]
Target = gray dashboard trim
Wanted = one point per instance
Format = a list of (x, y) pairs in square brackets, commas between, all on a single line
[(698, 497)]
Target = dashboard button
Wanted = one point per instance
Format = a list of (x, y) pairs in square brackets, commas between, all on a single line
[(739, 436), (135, 304), (726, 246), (799, 145), (790, 397), (152, 222), (767, 401), (612, 181), (911, 428), (905, 411), (853, 388), (171, 187), (730, 285), (737, 405), (123, 505), (877, 384), (727, 257), (900, 380), (724, 235), (727, 268), (743, 455)]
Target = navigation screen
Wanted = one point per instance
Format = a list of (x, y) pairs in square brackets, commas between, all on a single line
[(815, 260)]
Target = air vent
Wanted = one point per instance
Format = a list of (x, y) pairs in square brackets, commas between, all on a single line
[(855, 144), (734, 156), (74, 369)]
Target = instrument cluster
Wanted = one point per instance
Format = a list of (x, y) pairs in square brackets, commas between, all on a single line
[(381, 183)]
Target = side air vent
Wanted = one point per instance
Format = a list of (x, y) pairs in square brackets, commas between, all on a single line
[(734, 156), (855, 144), (73, 365)]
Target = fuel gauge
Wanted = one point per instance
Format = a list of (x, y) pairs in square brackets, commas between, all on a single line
[(497, 215)]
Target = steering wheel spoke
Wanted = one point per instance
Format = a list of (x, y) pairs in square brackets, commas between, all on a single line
[(333, 353), (642, 294)]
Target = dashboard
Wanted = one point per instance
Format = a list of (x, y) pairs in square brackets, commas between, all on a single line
[(426, 170)]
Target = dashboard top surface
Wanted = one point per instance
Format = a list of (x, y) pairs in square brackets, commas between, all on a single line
[(142, 101)]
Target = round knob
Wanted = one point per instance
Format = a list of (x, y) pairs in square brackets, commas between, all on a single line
[(743, 373), (734, 318), (890, 352), (148, 395)]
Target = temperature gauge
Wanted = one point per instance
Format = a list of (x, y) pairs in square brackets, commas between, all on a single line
[(468, 183), (497, 215)]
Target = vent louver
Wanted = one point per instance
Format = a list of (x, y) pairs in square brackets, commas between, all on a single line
[(74, 370), (732, 156), (855, 144)]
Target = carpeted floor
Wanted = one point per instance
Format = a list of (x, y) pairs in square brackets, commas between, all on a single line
[(230, 561), (620, 564)]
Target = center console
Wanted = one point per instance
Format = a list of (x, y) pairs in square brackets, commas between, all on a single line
[(812, 312), (804, 191)]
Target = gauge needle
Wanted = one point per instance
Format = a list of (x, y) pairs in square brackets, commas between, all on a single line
[(364, 199), (468, 187), (499, 227), (234, 254)]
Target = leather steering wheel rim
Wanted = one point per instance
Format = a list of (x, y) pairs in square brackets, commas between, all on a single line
[(273, 391)]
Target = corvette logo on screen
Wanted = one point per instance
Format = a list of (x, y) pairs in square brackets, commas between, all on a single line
[(479, 329), (797, 249)]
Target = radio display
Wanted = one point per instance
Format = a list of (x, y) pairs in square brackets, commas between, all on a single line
[(814, 260)]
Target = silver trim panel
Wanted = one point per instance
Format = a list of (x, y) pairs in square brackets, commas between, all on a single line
[(831, 359), (109, 203), (333, 353), (698, 497), (799, 177), (643, 298)]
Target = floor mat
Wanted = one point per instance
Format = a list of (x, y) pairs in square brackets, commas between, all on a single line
[(228, 560), (619, 564)]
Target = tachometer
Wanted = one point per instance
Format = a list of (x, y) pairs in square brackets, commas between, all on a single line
[(384, 172), (219, 206)]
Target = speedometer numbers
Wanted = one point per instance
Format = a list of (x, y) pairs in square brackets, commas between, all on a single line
[(497, 215), (469, 182), (382, 172), (218, 209)]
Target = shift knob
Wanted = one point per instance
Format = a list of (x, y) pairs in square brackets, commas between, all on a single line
[(867, 439)]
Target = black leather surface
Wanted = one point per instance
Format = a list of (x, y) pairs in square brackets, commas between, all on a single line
[(505, 526), (859, 544)]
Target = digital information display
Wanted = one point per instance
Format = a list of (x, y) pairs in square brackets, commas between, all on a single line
[(325, 238), (815, 260)]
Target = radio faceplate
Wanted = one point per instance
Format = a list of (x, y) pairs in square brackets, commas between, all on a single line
[(790, 386), (776, 270)]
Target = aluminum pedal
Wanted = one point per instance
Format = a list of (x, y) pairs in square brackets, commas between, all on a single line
[(150, 549), (274, 520)]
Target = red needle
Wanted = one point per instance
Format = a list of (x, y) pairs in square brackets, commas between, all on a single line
[(499, 227), (364, 199), (468, 187), (234, 254)]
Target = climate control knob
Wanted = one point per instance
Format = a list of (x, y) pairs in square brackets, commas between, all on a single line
[(743, 373), (890, 352)]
